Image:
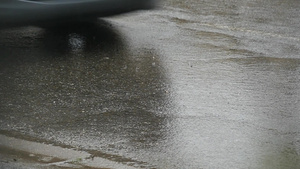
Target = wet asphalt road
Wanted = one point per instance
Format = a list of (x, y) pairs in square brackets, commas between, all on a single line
[(195, 84)]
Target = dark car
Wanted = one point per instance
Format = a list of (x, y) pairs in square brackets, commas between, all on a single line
[(38, 12)]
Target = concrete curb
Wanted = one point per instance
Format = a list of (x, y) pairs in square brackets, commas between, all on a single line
[(64, 157)]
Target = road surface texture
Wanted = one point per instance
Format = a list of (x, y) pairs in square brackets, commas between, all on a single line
[(194, 84)]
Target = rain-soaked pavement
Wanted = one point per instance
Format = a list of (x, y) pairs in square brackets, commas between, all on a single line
[(195, 84)]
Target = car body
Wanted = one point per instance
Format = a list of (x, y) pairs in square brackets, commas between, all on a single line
[(34, 12)]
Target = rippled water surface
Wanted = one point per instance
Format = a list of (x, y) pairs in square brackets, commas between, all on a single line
[(195, 84)]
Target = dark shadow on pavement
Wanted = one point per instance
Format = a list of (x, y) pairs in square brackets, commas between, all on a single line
[(80, 85), (89, 36)]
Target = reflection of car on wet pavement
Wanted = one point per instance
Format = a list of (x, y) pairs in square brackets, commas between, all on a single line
[(26, 12)]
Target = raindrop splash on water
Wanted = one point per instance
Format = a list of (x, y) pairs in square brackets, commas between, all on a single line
[(76, 42)]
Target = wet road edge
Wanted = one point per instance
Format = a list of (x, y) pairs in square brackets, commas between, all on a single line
[(42, 155)]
